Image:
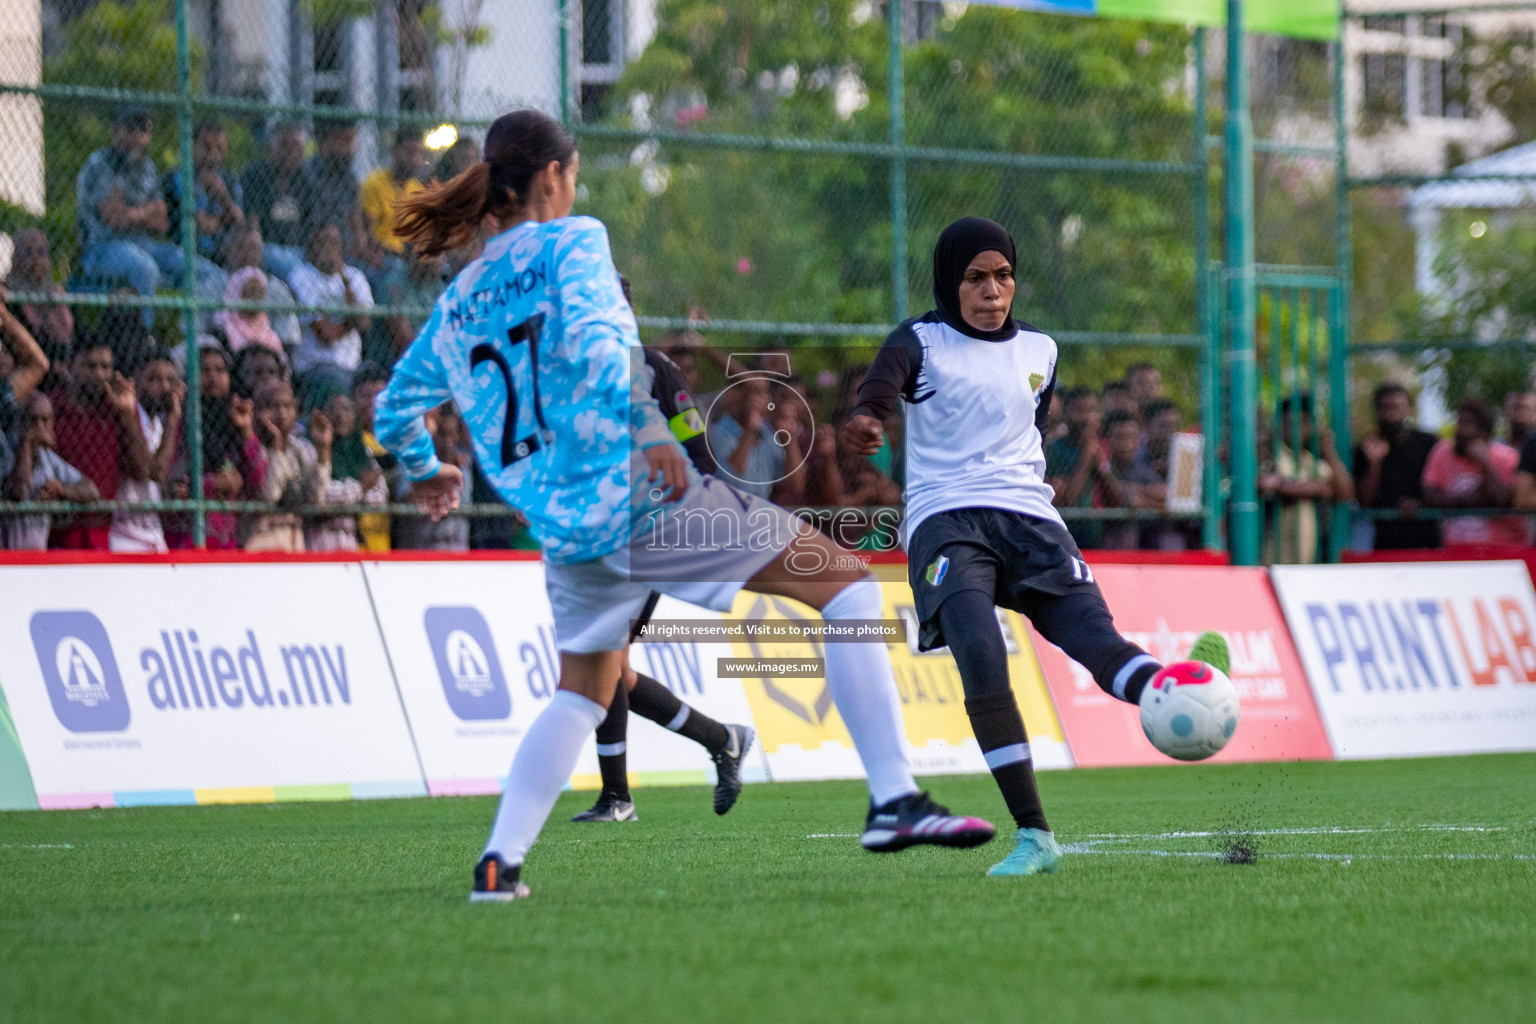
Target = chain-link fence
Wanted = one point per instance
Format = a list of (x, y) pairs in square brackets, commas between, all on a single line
[(773, 176), (1442, 158)]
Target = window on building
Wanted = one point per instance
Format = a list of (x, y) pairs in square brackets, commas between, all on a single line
[(1443, 81), (602, 52), (332, 50), (1386, 85), (1384, 75), (599, 18)]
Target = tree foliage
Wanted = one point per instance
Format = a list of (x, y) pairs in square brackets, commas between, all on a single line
[(1504, 68), (1491, 284), (807, 236), (112, 46)]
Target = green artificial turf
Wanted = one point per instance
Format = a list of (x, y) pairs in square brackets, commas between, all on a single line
[(358, 912)]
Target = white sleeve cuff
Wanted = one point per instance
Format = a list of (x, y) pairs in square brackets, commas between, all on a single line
[(426, 472)]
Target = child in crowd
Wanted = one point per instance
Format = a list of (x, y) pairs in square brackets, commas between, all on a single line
[(256, 365), (355, 479), (298, 470), (248, 327), (233, 465)]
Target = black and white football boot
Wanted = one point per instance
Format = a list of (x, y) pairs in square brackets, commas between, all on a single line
[(609, 808), (915, 820), (728, 766), (496, 882)]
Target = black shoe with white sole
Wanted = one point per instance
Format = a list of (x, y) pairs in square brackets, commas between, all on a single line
[(609, 808), (728, 766), (915, 820), (496, 882)]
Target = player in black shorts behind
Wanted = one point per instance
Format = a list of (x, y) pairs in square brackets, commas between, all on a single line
[(980, 527), (646, 697)]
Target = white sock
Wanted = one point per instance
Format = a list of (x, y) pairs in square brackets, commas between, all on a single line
[(859, 676), (540, 770)]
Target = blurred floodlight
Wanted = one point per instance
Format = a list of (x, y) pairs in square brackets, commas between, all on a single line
[(441, 137)]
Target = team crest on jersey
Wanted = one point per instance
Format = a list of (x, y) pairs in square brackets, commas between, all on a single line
[(687, 425), (936, 570), (1035, 380)]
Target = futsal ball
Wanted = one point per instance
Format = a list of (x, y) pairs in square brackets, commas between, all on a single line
[(1189, 710)]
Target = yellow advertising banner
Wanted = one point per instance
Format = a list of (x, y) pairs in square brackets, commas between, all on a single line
[(804, 737)]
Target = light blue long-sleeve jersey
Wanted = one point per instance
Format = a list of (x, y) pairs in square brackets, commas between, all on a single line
[(535, 344)]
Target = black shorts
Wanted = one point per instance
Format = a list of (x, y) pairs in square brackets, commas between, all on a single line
[(1009, 556)]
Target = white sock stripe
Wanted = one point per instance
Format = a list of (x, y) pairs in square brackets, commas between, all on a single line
[(679, 718), (1129, 669), (612, 749), (1013, 753)]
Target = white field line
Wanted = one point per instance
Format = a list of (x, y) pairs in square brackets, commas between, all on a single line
[(1326, 830), (1100, 843), (1108, 843), (1344, 858), (1317, 831), (36, 846)]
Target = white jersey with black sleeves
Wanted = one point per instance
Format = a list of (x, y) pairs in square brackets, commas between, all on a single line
[(973, 416)]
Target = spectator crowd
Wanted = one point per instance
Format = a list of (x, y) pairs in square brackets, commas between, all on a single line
[(93, 407), (96, 410), (1400, 469), (1113, 449)]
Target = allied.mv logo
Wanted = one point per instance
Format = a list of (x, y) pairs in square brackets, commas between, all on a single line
[(467, 663), (80, 671)]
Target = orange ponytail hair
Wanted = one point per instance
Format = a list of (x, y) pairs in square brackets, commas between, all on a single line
[(439, 218), (518, 145)]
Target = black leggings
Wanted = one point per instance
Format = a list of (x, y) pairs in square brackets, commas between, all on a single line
[(1079, 623)]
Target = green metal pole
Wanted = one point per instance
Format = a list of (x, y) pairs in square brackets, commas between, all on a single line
[(1247, 526), (1210, 354), (565, 62), (1338, 318), (193, 418), (1271, 393), (1218, 342), (898, 165)]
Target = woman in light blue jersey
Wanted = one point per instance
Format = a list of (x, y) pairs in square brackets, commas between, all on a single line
[(536, 345)]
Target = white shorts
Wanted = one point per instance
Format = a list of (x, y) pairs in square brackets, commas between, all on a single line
[(702, 550)]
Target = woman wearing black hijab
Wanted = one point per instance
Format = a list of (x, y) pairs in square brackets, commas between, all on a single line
[(980, 526), (234, 464)]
